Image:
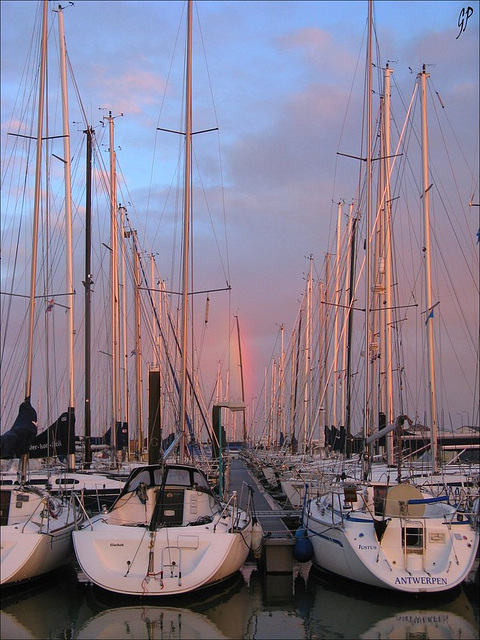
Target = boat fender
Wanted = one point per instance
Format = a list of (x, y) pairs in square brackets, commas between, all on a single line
[(303, 549), (257, 539)]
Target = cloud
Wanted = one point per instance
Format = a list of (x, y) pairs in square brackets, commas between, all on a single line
[(129, 92), (319, 49)]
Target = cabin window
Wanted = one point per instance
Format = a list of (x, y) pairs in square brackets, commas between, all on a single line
[(157, 477), (142, 477), (200, 480), (179, 477)]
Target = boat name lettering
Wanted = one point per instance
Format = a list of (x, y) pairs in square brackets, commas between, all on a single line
[(116, 544), (45, 445), (420, 580), (423, 619), (368, 547)]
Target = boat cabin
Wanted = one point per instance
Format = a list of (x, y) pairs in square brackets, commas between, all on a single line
[(164, 495)]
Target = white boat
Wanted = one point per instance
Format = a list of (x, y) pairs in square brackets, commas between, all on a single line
[(36, 533), (166, 534), (396, 537)]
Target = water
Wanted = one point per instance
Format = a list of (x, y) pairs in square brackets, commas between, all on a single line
[(250, 605)]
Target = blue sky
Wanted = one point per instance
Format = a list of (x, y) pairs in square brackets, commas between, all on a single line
[(286, 80)]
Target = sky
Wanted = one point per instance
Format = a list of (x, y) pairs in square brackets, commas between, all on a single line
[(283, 85)]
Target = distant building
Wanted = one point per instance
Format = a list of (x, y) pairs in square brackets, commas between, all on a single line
[(469, 430)]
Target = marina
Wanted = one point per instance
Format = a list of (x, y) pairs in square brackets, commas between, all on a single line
[(171, 467), (269, 598)]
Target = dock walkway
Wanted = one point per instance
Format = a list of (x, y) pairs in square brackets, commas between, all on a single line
[(278, 539)]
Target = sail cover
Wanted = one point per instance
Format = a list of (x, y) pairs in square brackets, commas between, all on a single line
[(57, 440), (15, 442)]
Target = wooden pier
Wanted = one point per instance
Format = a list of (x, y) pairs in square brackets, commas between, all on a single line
[(278, 539)]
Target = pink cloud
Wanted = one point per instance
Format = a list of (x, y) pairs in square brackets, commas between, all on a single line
[(130, 91), (319, 48)]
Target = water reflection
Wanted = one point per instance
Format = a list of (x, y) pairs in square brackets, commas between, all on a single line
[(306, 605), (149, 622), (347, 610), (421, 624)]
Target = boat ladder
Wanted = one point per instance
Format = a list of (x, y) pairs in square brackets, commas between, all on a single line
[(171, 564), (413, 543)]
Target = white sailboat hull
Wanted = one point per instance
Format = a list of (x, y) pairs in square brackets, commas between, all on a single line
[(29, 554), (33, 544), (415, 554), (166, 534), (171, 560)]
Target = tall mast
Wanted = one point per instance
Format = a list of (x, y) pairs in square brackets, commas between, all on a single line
[(348, 368), (337, 313), (322, 391), (114, 289), (186, 229), (36, 204), (124, 358), (282, 382), (240, 363), (36, 215), (326, 347), (294, 377), (308, 355), (157, 305), (88, 295), (367, 407), (138, 342), (68, 226), (428, 273), (387, 229)]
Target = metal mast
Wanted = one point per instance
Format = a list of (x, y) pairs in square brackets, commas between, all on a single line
[(428, 273), (186, 229)]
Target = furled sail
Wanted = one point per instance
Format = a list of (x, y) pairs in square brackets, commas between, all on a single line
[(57, 440), (15, 442)]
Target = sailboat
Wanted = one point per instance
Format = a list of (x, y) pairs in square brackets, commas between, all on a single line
[(168, 533), (36, 525), (387, 533)]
